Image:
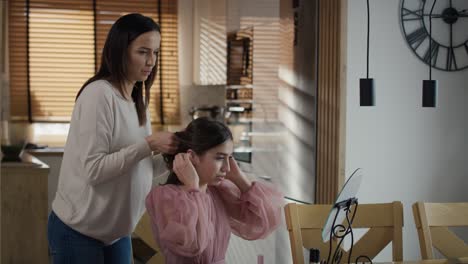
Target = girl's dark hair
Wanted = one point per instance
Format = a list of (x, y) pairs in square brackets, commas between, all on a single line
[(200, 135), (114, 59)]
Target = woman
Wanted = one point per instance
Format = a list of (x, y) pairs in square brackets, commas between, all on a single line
[(107, 170), (207, 197)]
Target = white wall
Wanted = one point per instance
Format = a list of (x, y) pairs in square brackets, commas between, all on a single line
[(192, 92), (296, 92), (409, 153), (209, 42), (185, 39)]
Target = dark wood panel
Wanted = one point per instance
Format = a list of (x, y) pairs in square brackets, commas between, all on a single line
[(331, 109)]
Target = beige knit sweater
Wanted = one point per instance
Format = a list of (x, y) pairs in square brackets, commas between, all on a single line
[(107, 169)]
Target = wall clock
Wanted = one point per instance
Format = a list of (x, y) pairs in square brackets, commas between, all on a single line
[(449, 42)]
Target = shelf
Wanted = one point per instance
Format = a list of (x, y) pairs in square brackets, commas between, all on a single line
[(239, 86), (240, 121), (239, 101)]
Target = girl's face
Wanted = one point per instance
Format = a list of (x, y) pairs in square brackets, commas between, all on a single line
[(142, 54), (213, 165)]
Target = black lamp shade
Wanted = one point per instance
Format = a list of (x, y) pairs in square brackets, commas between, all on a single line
[(429, 93), (366, 92)]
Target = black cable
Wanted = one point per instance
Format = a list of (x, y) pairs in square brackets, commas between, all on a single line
[(351, 232), (368, 33), (430, 40)]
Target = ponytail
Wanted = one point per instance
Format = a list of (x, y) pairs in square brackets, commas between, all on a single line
[(200, 135)]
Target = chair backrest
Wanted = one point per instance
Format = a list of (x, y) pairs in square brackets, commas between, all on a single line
[(432, 221), (143, 231), (384, 221)]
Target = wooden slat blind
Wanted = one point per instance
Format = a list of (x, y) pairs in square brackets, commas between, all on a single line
[(239, 71), (18, 59), (169, 63), (61, 55), (65, 44), (266, 58)]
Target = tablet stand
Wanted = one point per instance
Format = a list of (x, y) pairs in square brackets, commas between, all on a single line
[(339, 232)]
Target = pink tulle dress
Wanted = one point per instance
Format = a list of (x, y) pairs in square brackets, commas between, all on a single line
[(195, 227)]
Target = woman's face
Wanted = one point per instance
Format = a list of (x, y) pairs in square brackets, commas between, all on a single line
[(142, 56), (213, 165)]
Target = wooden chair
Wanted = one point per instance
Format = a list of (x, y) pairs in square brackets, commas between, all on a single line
[(432, 221), (385, 223), (144, 232)]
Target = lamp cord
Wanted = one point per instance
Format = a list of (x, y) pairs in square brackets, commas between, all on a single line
[(368, 32), (430, 40)]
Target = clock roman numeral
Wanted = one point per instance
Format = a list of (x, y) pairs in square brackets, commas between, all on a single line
[(430, 57), (408, 15), (466, 46), (451, 61), (417, 37)]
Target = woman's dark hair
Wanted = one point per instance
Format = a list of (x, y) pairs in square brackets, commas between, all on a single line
[(114, 59), (201, 135)]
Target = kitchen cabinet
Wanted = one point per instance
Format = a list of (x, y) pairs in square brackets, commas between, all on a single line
[(23, 191)]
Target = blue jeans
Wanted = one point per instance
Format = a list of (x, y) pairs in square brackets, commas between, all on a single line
[(68, 246)]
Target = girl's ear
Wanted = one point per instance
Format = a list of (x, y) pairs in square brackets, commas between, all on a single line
[(193, 157)]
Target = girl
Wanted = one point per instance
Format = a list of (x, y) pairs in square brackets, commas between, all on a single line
[(207, 197)]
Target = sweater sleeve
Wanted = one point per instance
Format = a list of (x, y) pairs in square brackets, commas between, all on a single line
[(180, 219), (95, 121), (255, 213)]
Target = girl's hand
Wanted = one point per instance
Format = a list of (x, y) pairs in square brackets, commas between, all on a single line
[(234, 172), (185, 171), (237, 176)]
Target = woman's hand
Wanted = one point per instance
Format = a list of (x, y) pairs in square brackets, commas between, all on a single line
[(237, 176), (164, 142), (185, 171)]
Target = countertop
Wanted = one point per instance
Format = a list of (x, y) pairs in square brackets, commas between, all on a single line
[(27, 161)]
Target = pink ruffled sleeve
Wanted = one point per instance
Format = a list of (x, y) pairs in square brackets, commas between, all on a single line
[(180, 219), (255, 213)]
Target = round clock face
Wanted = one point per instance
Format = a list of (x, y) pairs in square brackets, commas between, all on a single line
[(447, 50)]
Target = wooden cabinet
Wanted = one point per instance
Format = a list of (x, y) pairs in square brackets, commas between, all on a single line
[(23, 190)]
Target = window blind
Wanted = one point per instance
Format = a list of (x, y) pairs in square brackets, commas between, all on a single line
[(61, 55), (169, 70), (17, 43), (65, 41)]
